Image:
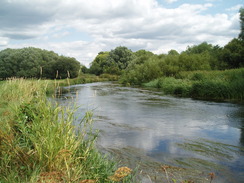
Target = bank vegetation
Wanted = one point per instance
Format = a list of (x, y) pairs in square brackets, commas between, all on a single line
[(39, 142)]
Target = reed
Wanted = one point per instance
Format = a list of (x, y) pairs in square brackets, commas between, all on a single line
[(216, 85), (171, 85)]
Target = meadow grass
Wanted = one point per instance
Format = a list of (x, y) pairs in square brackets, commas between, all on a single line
[(39, 142)]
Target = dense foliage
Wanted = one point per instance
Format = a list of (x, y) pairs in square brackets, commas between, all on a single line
[(143, 66), (112, 62), (213, 72), (35, 62)]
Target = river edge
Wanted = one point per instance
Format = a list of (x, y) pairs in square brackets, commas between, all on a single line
[(187, 174), (39, 142)]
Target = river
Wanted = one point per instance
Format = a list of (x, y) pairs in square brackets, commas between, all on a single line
[(164, 136)]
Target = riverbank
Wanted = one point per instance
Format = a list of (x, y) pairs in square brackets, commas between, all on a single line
[(210, 85), (148, 131), (39, 142), (54, 85)]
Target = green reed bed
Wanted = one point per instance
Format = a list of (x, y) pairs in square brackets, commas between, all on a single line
[(220, 85), (39, 143)]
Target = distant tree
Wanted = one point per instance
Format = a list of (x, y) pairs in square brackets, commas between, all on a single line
[(170, 64), (112, 62), (173, 52), (100, 63), (8, 65), (241, 35), (216, 61), (34, 62), (46, 65), (66, 67), (194, 61), (140, 57), (141, 73), (121, 56), (84, 69), (233, 53), (203, 47), (112, 68), (143, 53)]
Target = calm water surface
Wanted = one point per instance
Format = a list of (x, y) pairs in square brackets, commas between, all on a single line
[(179, 132)]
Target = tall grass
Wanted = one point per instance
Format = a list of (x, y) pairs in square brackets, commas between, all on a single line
[(170, 85), (39, 142), (219, 85)]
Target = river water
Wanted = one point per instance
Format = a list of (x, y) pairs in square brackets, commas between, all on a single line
[(146, 129)]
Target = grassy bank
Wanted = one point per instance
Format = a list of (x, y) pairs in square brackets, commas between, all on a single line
[(88, 78), (217, 85), (39, 143), (57, 84)]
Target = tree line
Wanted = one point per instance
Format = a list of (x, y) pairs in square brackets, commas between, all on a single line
[(143, 66), (36, 63), (132, 67)]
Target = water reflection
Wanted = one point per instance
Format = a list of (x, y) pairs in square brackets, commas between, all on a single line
[(240, 114), (155, 124)]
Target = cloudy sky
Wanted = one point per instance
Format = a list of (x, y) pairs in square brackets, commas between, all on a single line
[(82, 28)]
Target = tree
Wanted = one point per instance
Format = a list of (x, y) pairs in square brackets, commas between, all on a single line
[(34, 62), (121, 56), (140, 57), (194, 61), (173, 52), (241, 35), (66, 67), (199, 48), (170, 64), (100, 63), (233, 53), (84, 69)]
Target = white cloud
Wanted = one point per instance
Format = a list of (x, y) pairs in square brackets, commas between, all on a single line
[(170, 1), (133, 23), (235, 8), (3, 41)]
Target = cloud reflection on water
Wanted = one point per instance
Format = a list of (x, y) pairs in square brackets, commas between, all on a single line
[(154, 124)]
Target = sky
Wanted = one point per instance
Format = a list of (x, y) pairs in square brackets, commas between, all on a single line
[(83, 28)]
